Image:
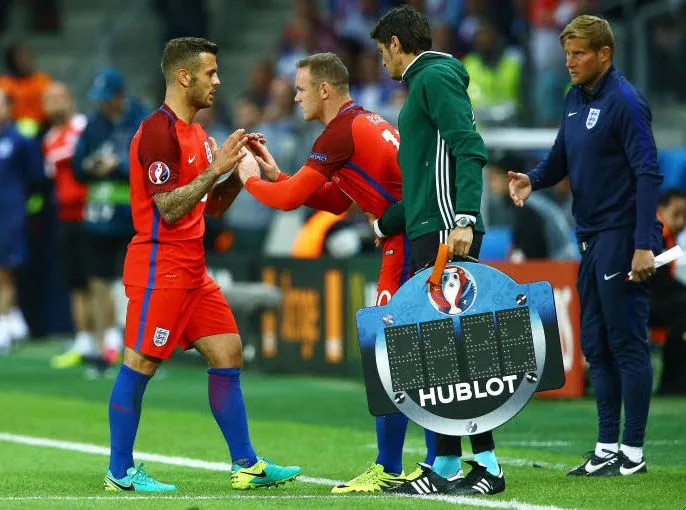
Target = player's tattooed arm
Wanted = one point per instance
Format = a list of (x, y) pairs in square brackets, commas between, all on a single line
[(173, 205)]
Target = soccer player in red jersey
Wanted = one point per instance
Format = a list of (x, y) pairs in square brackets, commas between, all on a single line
[(353, 160), (59, 144), (174, 169)]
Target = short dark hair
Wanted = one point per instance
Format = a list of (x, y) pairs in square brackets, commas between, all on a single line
[(327, 67), (409, 25), (184, 52), (670, 195)]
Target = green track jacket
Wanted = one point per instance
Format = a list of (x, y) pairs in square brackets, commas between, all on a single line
[(441, 154)]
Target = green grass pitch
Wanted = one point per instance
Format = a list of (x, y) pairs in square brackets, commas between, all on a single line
[(321, 424)]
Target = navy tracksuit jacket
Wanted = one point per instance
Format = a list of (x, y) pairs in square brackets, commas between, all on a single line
[(605, 146)]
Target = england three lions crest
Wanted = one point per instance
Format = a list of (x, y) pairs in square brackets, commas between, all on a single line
[(456, 293), (592, 118)]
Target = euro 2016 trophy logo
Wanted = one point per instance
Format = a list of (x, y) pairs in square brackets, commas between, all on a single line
[(460, 349), (456, 292)]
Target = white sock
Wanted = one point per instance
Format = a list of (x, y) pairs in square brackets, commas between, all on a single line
[(634, 453), (602, 449), (5, 337), (17, 323), (114, 339), (84, 343)]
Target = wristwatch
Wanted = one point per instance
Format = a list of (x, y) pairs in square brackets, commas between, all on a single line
[(464, 220)]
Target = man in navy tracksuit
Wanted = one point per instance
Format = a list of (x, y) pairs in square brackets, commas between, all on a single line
[(605, 146)]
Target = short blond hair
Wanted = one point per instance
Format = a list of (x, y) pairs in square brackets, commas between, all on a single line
[(592, 28)]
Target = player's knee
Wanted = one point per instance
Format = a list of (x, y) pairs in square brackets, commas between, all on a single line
[(229, 355), (140, 362), (222, 351)]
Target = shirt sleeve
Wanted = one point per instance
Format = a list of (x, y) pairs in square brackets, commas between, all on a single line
[(333, 148), (393, 219), (553, 168), (329, 198), (449, 107), (639, 146), (159, 154), (287, 194)]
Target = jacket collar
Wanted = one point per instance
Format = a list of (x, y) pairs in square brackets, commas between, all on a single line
[(419, 56), (600, 86)]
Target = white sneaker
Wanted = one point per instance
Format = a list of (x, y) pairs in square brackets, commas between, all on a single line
[(17, 324), (84, 344), (5, 336)]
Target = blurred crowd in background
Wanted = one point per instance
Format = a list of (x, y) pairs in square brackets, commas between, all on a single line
[(64, 159)]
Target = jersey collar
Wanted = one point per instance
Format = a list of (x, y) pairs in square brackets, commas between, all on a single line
[(347, 106)]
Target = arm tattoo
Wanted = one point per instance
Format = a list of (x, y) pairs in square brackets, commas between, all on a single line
[(177, 203)]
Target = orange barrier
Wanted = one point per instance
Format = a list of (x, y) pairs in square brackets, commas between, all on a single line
[(562, 276)]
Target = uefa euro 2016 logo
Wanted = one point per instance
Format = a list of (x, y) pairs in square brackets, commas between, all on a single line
[(456, 293), (158, 172)]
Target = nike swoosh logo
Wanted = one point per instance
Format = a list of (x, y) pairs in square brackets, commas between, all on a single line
[(592, 468), (630, 471), (611, 276), (571, 114), (120, 486), (190, 160), (261, 474)]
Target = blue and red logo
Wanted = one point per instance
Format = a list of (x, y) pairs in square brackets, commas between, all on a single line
[(456, 293), (159, 172)]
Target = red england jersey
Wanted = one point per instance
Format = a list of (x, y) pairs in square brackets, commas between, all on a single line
[(59, 145), (166, 153), (358, 152)]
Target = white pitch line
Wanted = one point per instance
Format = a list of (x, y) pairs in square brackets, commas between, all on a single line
[(534, 444), (224, 467)]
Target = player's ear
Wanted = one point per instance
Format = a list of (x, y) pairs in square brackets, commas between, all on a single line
[(324, 90), (183, 76), (395, 45), (605, 54)]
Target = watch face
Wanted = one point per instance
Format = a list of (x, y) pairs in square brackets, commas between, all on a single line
[(463, 222)]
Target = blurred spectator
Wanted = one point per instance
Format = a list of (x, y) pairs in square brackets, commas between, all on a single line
[(102, 162), (357, 22), (443, 11), (494, 76), (498, 209), (25, 87), (19, 167), (181, 18), (369, 90), (59, 145), (473, 12), (261, 77), (540, 229), (668, 300), (547, 18), (340, 236), (212, 121), (444, 37), (247, 218), (306, 33)]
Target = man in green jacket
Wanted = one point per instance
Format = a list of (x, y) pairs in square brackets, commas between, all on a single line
[(441, 157)]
